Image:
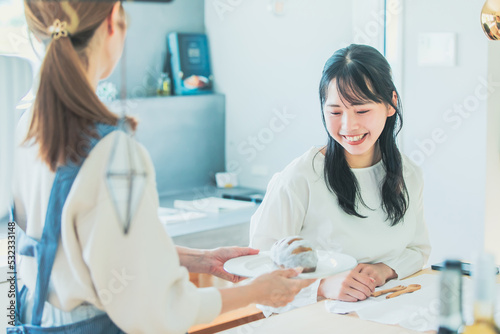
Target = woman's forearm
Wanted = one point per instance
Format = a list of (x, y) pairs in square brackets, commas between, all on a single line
[(237, 297)]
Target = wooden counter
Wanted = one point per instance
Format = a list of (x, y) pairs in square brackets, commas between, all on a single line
[(228, 320)]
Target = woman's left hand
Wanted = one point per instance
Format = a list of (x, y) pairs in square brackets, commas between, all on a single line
[(380, 272), (216, 258)]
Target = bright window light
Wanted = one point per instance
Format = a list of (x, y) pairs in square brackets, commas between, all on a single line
[(14, 36)]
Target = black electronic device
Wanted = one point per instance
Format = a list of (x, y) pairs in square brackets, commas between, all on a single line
[(466, 267), (257, 198)]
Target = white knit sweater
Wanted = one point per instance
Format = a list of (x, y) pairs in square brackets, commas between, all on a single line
[(136, 278)]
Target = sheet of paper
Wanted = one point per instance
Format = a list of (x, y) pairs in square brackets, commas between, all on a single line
[(168, 215), (417, 311), (339, 307), (212, 204)]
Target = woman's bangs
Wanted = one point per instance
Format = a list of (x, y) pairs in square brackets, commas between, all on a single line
[(355, 88)]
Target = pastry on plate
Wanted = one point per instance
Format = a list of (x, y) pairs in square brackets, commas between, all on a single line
[(293, 252)]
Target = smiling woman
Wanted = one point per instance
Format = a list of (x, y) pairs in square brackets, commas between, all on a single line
[(360, 77), (357, 195)]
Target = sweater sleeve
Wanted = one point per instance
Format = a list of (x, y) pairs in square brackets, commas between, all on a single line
[(280, 214), (415, 256), (136, 276)]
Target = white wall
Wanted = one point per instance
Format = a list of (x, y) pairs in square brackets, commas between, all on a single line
[(269, 67), (492, 227), (454, 164)]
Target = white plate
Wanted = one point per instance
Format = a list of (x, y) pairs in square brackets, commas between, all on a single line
[(329, 263)]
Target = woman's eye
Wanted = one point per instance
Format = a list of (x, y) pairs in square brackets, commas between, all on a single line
[(335, 113), (363, 111)]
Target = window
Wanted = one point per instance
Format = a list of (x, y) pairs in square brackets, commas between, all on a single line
[(14, 36)]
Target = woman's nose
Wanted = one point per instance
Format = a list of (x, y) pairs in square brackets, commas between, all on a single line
[(349, 121)]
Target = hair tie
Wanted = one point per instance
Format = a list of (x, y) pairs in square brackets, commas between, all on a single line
[(59, 29)]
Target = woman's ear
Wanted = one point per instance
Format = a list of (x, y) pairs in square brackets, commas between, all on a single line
[(114, 18), (391, 111)]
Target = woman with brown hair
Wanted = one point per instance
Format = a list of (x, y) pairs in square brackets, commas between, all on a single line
[(81, 272)]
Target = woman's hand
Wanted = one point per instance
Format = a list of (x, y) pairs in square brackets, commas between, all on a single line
[(212, 261), (349, 286), (277, 289), (216, 258), (380, 272), (357, 284)]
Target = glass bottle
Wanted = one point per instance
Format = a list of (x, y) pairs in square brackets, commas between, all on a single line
[(164, 83), (484, 275), (450, 307)]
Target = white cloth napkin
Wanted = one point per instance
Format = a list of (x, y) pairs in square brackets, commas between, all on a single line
[(417, 311), (306, 296)]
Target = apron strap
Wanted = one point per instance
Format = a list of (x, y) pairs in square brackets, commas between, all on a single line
[(26, 244), (45, 250), (11, 213)]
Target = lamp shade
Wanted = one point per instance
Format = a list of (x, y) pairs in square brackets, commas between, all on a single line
[(490, 19)]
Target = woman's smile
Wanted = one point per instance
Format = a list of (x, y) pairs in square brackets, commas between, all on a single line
[(355, 140)]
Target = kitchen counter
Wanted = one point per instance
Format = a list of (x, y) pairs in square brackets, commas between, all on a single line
[(216, 229)]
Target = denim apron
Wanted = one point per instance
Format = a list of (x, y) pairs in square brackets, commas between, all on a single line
[(44, 251)]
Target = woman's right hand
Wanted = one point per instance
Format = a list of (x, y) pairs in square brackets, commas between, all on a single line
[(349, 286), (278, 288)]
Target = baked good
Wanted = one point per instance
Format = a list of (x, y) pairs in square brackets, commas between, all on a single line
[(293, 252)]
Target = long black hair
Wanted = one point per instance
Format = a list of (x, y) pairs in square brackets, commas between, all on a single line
[(362, 74)]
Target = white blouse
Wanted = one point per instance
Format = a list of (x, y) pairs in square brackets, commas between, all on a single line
[(298, 202), (136, 278)]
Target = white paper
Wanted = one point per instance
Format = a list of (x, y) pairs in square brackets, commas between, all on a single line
[(168, 215), (416, 311), (340, 307), (212, 204)]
